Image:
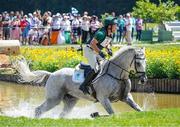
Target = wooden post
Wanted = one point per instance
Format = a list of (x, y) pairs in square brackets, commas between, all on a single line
[(10, 47)]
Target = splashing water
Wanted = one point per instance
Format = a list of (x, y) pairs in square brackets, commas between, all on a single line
[(149, 102), (27, 110)]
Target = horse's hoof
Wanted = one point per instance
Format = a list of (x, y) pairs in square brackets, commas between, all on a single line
[(140, 110), (95, 114), (37, 113)]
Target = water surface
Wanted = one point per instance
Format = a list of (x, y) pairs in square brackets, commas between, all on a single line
[(21, 100)]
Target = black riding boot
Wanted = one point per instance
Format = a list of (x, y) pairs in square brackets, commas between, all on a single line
[(87, 82)]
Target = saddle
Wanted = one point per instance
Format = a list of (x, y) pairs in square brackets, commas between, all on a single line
[(84, 71), (81, 72), (87, 69)]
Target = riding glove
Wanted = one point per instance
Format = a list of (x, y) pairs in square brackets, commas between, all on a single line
[(102, 54), (110, 52)]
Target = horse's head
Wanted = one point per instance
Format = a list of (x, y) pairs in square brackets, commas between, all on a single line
[(129, 59), (139, 65)]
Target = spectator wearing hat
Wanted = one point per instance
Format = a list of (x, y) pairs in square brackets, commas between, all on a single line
[(75, 26), (33, 35), (128, 24), (94, 25), (66, 28), (36, 19), (42, 36), (86, 13), (31, 20), (85, 26), (79, 27), (55, 25)]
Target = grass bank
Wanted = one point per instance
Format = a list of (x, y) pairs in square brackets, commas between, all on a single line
[(165, 117)]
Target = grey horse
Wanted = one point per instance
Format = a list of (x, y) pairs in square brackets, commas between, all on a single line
[(111, 84)]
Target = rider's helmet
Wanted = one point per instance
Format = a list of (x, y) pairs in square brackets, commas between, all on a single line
[(110, 21)]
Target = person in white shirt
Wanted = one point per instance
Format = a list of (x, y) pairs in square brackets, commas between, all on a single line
[(75, 26), (66, 28), (128, 24), (85, 25), (94, 25), (33, 35), (79, 28), (56, 22)]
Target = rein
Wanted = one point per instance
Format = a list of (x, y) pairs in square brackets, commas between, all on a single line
[(135, 65)]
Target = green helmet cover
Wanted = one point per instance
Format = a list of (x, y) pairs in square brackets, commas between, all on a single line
[(110, 21)]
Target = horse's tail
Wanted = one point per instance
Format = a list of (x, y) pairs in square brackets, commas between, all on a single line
[(26, 76)]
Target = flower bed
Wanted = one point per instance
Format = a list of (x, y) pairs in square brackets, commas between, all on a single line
[(51, 59), (163, 61)]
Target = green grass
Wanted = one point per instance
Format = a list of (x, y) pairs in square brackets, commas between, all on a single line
[(165, 117)]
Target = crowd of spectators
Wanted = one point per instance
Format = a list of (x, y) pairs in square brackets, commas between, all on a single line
[(46, 29)]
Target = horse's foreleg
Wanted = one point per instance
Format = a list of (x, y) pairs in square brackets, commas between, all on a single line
[(107, 105), (129, 100), (47, 105), (69, 103)]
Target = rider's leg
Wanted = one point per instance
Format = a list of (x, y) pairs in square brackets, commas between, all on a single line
[(91, 57), (92, 60), (87, 81)]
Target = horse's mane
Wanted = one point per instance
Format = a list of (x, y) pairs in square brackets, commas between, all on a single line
[(122, 51)]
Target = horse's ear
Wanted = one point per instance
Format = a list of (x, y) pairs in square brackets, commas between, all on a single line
[(143, 49)]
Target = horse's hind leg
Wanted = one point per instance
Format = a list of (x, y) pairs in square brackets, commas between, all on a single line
[(47, 105), (129, 100), (69, 103)]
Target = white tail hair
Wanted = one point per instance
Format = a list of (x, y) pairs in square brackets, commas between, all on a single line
[(26, 76)]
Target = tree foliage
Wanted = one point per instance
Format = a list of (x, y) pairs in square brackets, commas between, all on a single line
[(97, 7), (164, 11)]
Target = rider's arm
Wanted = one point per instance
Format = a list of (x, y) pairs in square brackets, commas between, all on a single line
[(93, 45)]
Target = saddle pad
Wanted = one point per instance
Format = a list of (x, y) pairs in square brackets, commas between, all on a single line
[(78, 76)]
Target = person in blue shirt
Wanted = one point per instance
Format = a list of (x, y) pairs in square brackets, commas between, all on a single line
[(121, 25), (133, 26)]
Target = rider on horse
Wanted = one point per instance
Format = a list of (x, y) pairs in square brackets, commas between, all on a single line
[(93, 50)]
